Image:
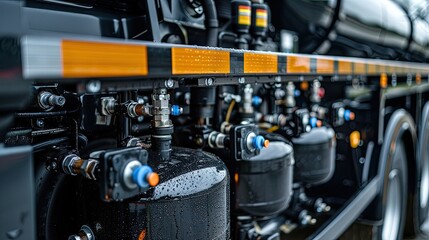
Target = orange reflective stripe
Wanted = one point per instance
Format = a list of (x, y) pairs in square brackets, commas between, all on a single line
[(344, 67), (359, 68), (94, 59), (371, 68), (199, 61), (325, 66), (260, 63), (297, 64)]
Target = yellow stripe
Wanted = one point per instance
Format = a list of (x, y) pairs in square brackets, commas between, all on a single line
[(344, 67), (244, 11), (94, 59), (325, 66), (261, 22), (261, 14), (381, 68), (371, 68), (403, 69), (199, 61), (244, 20), (260, 63), (359, 68), (297, 64)]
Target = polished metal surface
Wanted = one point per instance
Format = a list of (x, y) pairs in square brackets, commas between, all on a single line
[(392, 215)]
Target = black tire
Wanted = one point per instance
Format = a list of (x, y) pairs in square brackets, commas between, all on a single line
[(421, 197), (395, 189)]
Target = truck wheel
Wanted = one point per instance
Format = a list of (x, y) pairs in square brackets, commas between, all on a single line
[(395, 195), (422, 192)]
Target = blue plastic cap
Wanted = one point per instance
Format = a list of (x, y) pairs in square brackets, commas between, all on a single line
[(347, 115), (258, 142), (313, 122), (139, 176), (256, 101), (297, 93), (175, 110)]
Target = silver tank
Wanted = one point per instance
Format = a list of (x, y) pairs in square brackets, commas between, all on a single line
[(363, 28)]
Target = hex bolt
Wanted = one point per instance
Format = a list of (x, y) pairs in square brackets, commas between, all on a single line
[(93, 86), (48, 100), (40, 123), (74, 165), (199, 141), (85, 233), (409, 79), (53, 165), (108, 105), (57, 100), (169, 83), (208, 81)]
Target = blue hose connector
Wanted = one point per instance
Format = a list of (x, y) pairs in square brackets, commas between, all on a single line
[(258, 142), (140, 176), (297, 93), (175, 110), (256, 101), (313, 122), (347, 115)]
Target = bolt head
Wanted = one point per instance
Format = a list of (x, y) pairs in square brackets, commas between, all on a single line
[(40, 123), (169, 83), (93, 86), (199, 141), (209, 81)]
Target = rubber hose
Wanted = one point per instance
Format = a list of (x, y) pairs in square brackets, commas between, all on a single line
[(211, 22)]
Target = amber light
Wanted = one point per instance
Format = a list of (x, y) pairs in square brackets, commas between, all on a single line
[(354, 139), (383, 80)]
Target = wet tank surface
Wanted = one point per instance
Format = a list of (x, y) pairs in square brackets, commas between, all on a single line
[(191, 200), (264, 183)]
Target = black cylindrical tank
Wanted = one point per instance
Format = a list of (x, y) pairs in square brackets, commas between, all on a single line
[(190, 202), (364, 28), (264, 183), (314, 156)]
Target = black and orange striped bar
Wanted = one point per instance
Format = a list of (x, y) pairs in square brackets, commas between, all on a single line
[(50, 57)]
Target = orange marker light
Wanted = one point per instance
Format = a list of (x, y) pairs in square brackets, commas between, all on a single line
[(418, 78), (303, 86), (383, 80), (153, 179), (352, 116), (266, 143), (319, 123), (354, 139), (236, 177), (142, 235)]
